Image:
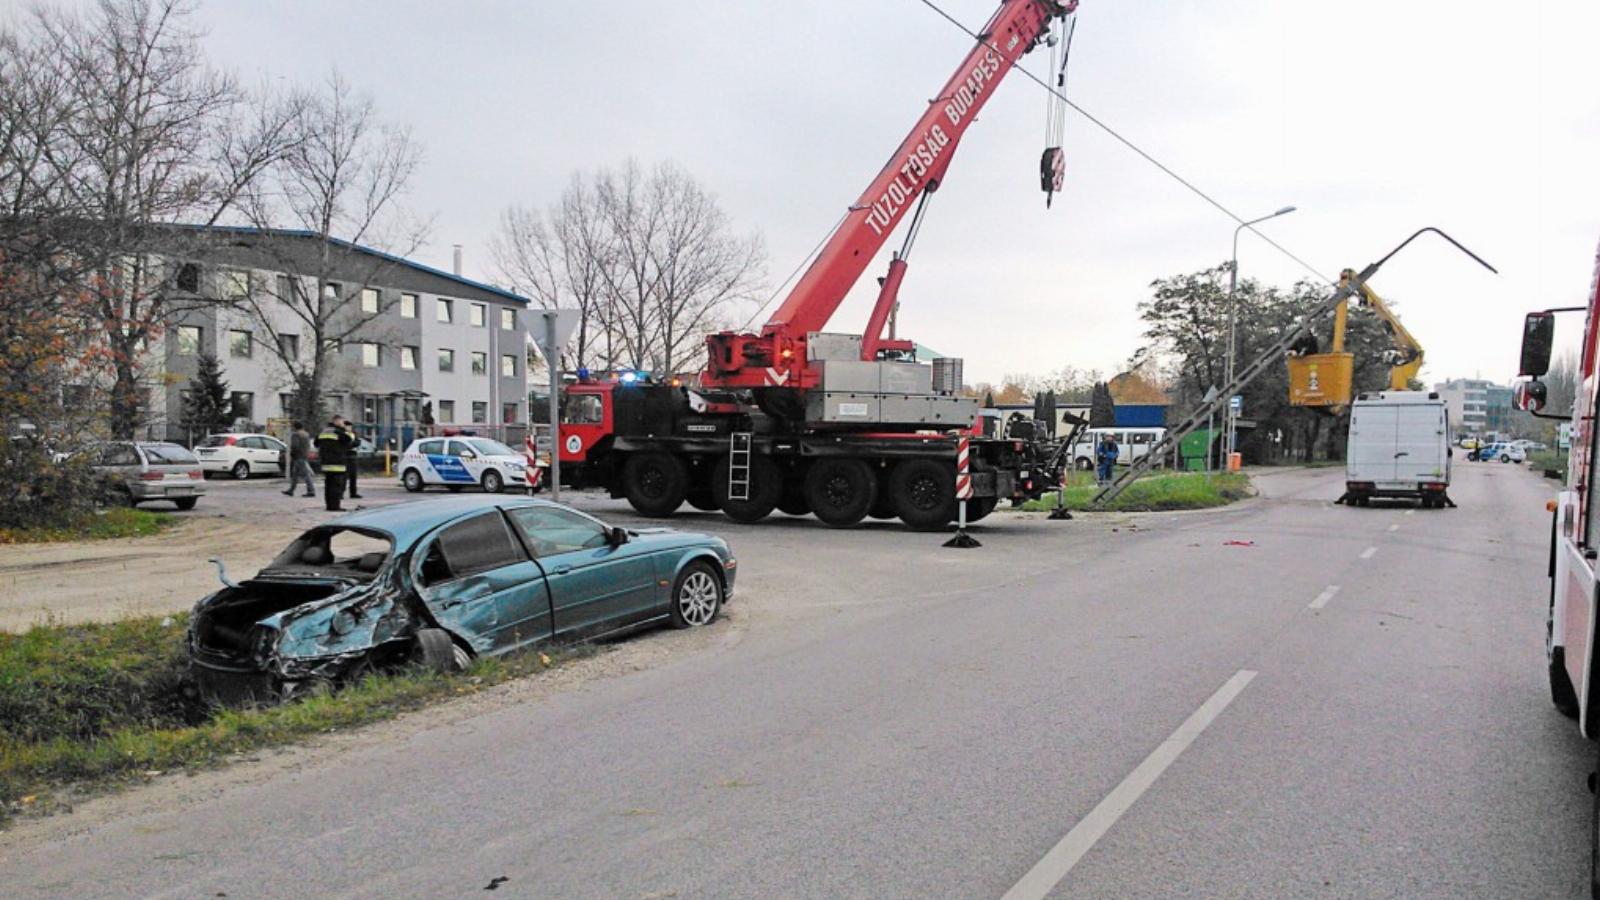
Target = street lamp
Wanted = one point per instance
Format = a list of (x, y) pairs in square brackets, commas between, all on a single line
[(1233, 316)]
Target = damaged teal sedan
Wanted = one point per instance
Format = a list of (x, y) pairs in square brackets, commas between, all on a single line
[(439, 583)]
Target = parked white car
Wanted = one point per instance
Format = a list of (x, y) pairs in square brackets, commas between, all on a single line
[(241, 455), (1132, 444), (458, 462)]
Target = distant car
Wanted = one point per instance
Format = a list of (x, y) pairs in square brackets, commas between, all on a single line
[(241, 455), (1511, 453), (133, 472), (458, 462), (441, 582)]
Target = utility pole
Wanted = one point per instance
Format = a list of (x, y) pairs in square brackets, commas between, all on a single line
[(1230, 417)]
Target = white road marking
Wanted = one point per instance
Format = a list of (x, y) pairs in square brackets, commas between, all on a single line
[(1394, 527), (1369, 552), (1324, 597), (1048, 872)]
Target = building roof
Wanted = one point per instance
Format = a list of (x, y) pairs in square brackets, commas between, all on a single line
[(304, 234)]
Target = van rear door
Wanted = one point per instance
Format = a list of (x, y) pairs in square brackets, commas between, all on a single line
[(1419, 442), (1372, 443)]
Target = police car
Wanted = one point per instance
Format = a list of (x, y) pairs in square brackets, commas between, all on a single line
[(461, 461)]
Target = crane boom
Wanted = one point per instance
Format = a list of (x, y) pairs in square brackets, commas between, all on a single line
[(776, 357)]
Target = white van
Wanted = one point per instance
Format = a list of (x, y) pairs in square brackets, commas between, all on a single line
[(1132, 444), (1399, 447)]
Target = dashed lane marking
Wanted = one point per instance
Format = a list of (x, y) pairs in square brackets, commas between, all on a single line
[(1324, 597), (1369, 552)]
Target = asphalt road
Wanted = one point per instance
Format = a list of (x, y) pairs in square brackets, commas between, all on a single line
[(1346, 703)]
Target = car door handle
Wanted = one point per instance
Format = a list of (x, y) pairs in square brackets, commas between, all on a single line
[(560, 570)]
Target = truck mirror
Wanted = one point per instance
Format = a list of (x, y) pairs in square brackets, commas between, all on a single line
[(1529, 396), (1538, 334)]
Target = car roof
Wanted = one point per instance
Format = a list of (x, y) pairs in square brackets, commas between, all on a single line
[(408, 521)]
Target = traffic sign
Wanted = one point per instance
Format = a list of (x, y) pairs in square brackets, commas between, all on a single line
[(1236, 403), (550, 330)]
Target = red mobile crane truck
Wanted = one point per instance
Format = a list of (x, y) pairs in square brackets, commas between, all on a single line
[(797, 419), (1574, 601)]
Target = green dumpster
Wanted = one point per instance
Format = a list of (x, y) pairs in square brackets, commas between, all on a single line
[(1192, 449)]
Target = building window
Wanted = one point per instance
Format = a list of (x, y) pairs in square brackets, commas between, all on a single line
[(189, 339), (477, 313), (239, 344), (369, 300), (480, 363), (508, 319), (286, 291), (235, 285), (447, 360), (244, 405), (189, 278), (408, 306), (371, 355), (410, 409), (480, 412), (443, 309), (508, 413), (408, 358), (330, 290), (508, 366), (289, 346), (369, 410), (447, 412), (286, 405)]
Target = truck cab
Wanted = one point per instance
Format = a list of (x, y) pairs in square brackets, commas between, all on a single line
[(1399, 447)]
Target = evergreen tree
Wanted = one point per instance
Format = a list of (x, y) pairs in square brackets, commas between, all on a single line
[(209, 407), (1102, 411)]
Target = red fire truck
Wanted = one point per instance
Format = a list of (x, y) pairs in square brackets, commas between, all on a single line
[(1574, 565), (844, 426)]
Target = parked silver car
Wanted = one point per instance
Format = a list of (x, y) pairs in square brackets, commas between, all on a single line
[(134, 472)]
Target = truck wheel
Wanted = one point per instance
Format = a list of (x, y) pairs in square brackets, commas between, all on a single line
[(655, 483), (793, 501), (700, 497), (766, 488), (978, 507), (924, 493), (841, 490)]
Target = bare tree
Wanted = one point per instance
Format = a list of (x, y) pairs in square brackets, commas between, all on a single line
[(342, 183), (137, 133)]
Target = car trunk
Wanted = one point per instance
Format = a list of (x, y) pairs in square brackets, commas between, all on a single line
[(224, 627)]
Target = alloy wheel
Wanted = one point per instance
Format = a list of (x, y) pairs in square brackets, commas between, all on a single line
[(697, 598)]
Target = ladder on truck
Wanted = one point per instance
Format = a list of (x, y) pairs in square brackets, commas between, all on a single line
[(739, 466), (1241, 379)]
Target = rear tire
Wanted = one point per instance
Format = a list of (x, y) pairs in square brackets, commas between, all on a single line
[(185, 502), (924, 493), (434, 650), (655, 483), (840, 490), (766, 488), (241, 470), (412, 479)]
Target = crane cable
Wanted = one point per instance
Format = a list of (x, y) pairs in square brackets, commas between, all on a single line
[(1094, 120)]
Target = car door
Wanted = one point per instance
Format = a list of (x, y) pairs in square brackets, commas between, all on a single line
[(477, 580), (274, 455), (594, 587), (448, 466)]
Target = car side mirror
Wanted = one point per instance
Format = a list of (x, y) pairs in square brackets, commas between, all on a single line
[(617, 536), (1530, 396), (1538, 335)]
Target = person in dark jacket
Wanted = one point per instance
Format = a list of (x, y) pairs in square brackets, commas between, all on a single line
[(354, 462), (1105, 458), (300, 460), (333, 448)]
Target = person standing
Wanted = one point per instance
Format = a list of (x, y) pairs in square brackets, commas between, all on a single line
[(300, 460), (1105, 458), (354, 460), (333, 447)]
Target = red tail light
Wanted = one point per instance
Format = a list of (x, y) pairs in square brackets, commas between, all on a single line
[(150, 476), (196, 474)]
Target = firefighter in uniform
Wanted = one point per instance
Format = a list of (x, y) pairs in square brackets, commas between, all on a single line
[(333, 448)]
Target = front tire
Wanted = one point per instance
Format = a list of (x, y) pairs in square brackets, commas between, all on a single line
[(433, 650), (655, 483), (241, 470), (840, 491), (412, 479), (492, 482), (696, 596)]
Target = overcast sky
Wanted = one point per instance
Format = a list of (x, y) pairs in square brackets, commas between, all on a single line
[(1374, 117)]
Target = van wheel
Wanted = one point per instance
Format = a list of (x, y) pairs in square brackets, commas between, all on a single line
[(412, 479), (655, 483), (766, 489), (924, 493), (840, 490)]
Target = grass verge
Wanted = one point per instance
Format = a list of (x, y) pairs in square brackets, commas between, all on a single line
[(96, 704), (113, 522), (1546, 462), (1153, 493)]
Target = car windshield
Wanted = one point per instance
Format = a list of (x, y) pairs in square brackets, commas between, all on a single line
[(491, 448), (168, 454), (215, 440), (335, 551)]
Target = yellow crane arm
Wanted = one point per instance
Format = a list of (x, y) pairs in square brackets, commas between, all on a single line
[(1405, 359)]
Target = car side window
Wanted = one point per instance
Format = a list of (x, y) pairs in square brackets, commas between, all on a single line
[(476, 545), (431, 448), (550, 530), (250, 443), (454, 448), (119, 455)]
